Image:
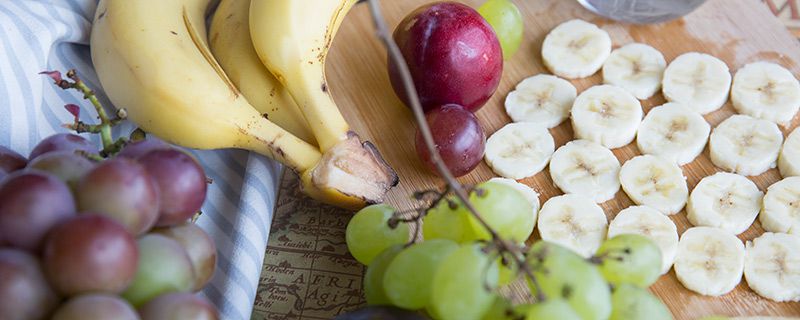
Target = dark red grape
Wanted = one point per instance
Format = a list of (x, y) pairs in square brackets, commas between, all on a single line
[(10, 161), (458, 136), (67, 166), (382, 313), (136, 149), (181, 184), (31, 203), (63, 142), (95, 306), (90, 253), (24, 292), (179, 306), (122, 189), (164, 267), (200, 247)]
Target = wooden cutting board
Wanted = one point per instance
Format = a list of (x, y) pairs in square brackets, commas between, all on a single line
[(736, 31)]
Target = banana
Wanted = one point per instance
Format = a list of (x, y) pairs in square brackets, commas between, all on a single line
[(772, 266), (519, 150), (709, 261), (673, 132), (573, 221), (153, 60), (229, 40), (575, 49), (697, 80), (607, 115), (724, 200), (745, 145), (542, 99), (635, 67), (648, 222), (292, 39), (766, 91), (789, 158), (781, 207), (586, 168), (654, 182), (531, 195)]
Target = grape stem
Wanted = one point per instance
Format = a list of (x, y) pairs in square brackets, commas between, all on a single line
[(419, 115)]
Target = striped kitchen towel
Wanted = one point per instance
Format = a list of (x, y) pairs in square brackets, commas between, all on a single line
[(37, 35)]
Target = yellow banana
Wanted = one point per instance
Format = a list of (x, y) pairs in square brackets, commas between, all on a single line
[(152, 59), (229, 39), (292, 39)]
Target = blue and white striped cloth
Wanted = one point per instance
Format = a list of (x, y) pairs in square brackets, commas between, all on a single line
[(37, 35)]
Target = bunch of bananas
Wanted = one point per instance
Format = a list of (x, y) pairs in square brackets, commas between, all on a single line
[(258, 84)]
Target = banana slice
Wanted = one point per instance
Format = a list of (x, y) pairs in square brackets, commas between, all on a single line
[(542, 99), (573, 221), (745, 145), (766, 91), (519, 150), (710, 261), (699, 81), (673, 132), (654, 182), (650, 223), (607, 115), (635, 67), (789, 159), (724, 200), (781, 211), (575, 49), (586, 168), (772, 266), (531, 195)]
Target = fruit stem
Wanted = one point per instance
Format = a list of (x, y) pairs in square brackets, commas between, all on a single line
[(419, 115), (105, 122)]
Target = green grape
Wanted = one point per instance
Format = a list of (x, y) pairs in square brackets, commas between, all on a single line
[(630, 258), (368, 232), (460, 284), (504, 208), (629, 302), (407, 279), (499, 310), (373, 278), (506, 20), (561, 273), (552, 309), (507, 273), (444, 222)]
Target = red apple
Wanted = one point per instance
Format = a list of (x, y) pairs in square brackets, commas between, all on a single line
[(453, 55)]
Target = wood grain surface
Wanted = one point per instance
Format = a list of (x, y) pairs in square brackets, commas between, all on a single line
[(736, 31)]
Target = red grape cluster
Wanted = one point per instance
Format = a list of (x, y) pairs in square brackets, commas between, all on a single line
[(111, 239)]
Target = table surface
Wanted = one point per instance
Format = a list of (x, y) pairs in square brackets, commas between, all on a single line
[(308, 273)]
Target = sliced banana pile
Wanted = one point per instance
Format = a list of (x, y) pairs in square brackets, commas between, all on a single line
[(772, 266), (573, 221), (650, 223), (586, 168), (766, 91), (724, 200), (635, 67), (575, 49), (606, 114), (654, 182), (531, 195), (697, 80), (519, 150), (745, 145), (781, 211), (709, 261), (673, 132), (789, 159), (541, 99)]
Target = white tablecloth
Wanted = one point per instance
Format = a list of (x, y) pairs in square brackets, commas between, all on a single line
[(37, 35)]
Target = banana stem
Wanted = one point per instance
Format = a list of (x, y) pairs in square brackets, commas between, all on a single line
[(419, 116)]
